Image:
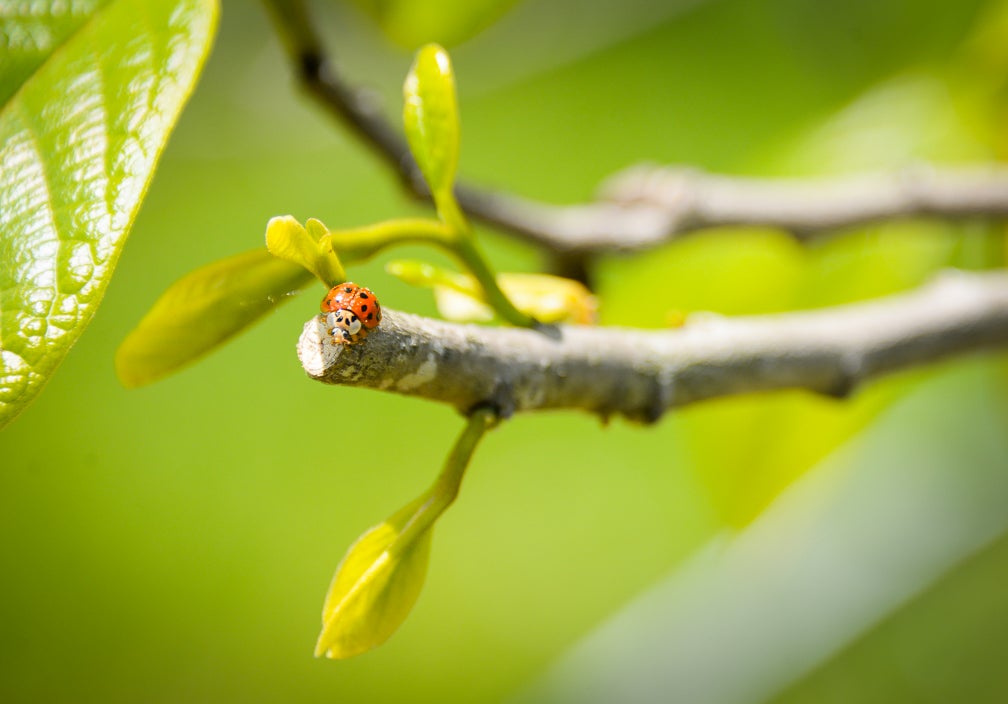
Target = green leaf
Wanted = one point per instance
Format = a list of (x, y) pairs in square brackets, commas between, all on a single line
[(851, 544), (376, 585), (409, 23), (424, 275), (381, 575), (31, 32), (79, 139), (307, 247), (430, 116), (202, 310)]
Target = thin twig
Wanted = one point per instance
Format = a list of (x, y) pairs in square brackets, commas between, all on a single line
[(646, 206), (640, 374)]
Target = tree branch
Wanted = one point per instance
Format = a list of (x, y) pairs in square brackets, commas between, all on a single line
[(640, 374), (645, 206), (690, 199)]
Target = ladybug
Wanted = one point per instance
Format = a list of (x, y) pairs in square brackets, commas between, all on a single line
[(345, 327), (352, 311)]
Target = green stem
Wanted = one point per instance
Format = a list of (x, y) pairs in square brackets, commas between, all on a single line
[(449, 211), (328, 266), (445, 489), (467, 252), (452, 234), (465, 249), (361, 243)]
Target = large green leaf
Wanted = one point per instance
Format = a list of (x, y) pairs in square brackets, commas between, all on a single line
[(31, 32), (91, 95)]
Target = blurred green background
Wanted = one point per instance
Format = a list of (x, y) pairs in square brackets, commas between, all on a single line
[(175, 542)]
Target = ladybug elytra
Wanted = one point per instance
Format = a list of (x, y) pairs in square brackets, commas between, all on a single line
[(352, 311)]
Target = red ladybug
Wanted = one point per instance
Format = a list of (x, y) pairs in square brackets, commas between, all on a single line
[(353, 310)]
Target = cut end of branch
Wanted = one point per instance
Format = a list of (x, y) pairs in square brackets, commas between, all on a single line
[(316, 348)]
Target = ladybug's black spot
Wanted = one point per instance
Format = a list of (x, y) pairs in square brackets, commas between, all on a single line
[(363, 307), (370, 315), (348, 289), (363, 295)]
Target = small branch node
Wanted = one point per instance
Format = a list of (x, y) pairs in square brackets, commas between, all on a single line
[(310, 65)]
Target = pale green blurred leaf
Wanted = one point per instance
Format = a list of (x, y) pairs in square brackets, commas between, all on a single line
[(98, 89), (846, 546), (549, 299), (430, 117), (375, 586), (410, 23), (908, 117), (425, 275), (204, 309), (948, 642)]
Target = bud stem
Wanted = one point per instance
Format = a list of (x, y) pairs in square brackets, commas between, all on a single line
[(442, 493)]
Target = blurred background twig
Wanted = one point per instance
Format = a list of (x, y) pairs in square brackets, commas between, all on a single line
[(645, 205)]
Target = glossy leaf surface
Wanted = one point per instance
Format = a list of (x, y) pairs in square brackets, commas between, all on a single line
[(202, 310), (86, 115), (31, 32)]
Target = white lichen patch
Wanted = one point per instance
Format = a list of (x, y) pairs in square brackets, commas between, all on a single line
[(424, 374), (316, 349)]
